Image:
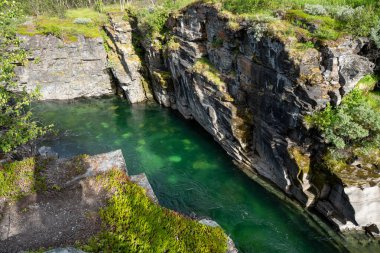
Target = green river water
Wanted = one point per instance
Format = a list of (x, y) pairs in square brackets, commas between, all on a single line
[(188, 170)]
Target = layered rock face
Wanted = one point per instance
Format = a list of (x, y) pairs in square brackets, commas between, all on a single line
[(65, 70), (251, 93), (123, 60)]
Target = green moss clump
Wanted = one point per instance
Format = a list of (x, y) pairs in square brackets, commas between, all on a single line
[(21, 178), (163, 78), (368, 82), (205, 68), (133, 223), (302, 160)]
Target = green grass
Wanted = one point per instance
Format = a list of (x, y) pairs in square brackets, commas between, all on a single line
[(21, 178), (368, 82), (153, 22), (327, 27), (133, 223), (65, 28)]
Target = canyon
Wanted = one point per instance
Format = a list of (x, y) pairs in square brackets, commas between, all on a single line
[(250, 90)]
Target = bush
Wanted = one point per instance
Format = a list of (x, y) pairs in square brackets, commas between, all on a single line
[(361, 21), (16, 124), (83, 21), (355, 122), (315, 9), (375, 34), (99, 6)]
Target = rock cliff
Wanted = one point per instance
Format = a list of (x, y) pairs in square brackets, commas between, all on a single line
[(124, 62), (64, 70), (251, 90)]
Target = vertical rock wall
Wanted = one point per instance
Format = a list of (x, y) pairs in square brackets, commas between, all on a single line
[(251, 92)]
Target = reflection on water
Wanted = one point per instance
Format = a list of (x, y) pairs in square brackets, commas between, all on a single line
[(188, 171)]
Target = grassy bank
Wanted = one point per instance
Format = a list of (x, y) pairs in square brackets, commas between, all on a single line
[(133, 223)]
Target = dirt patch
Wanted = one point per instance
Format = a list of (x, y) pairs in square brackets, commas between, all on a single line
[(64, 214)]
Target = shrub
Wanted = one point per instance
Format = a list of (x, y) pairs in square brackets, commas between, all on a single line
[(99, 6), (258, 30), (375, 34), (354, 122), (342, 13), (82, 21), (315, 9), (361, 21)]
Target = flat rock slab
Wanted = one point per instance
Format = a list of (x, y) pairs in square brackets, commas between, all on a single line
[(57, 218)]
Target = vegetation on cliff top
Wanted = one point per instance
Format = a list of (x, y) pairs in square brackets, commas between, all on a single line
[(83, 21)]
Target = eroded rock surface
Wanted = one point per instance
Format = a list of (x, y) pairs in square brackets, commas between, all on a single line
[(123, 60)]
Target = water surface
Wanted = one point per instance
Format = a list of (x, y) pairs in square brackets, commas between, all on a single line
[(188, 171)]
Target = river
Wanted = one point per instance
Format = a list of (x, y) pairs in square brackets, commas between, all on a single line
[(188, 170)]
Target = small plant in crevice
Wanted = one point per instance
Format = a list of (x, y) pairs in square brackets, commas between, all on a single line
[(258, 30), (217, 43)]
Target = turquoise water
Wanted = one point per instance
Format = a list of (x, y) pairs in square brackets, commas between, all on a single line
[(188, 171)]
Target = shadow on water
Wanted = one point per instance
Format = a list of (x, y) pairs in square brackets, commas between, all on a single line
[(188, 171)]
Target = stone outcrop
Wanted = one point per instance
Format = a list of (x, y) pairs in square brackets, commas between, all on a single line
[(64, 70), (124, 62), (251, 92)]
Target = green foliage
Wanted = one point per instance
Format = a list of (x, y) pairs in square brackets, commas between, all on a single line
[(133, 223), (58, 7), (368, 83), (82, 21), (357, 17), (362, 22), (16, 124), (153, 19), (21, 178), (99, 6), (375, 34), (355, 122), (206, 69)]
